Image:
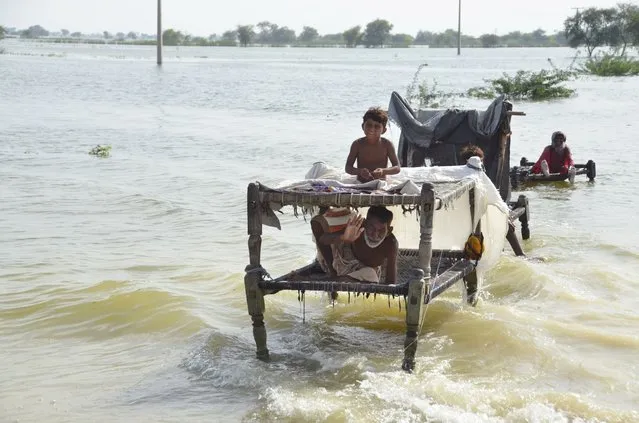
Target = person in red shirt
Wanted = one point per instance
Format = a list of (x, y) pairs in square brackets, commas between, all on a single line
[(556, 158)]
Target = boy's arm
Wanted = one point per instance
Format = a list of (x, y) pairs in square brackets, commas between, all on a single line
[(363, 174), (391, 262), (392, 156), (350, 160)]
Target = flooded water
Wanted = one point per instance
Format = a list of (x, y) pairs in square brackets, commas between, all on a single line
[(121, 279)]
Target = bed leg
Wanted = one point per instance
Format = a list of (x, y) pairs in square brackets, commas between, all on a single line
[(415, 309)]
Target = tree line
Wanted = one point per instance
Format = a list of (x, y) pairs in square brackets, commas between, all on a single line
[(592, 28), (377, 33)]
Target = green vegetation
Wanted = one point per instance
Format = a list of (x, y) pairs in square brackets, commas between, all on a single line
[(613, 27), (611, 65), (352, 36), (448, 38), (524, 85), (376, 33), (591, 28), (527, 85), (101, 151), (2, 32), (616, 28), (35, 31), (425, 95)]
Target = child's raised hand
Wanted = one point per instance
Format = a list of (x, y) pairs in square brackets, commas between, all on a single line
[(353, 228)]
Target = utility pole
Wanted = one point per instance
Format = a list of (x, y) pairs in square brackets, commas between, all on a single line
[(159, 41), (459, 29), (578, 9)]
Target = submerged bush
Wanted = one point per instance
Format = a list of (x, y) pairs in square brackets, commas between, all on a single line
[(611, 65), (101, 151), (424, 96), (527, 85)]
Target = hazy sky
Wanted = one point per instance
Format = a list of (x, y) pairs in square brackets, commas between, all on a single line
[(205, 17)]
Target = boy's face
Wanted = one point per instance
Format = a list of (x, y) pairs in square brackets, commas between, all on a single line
[(373, 130)]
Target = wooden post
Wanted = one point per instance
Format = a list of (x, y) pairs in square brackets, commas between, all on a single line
[(522, 201), (502, 175), (417, 287), (426, 227), (511, 237), (159, 35), (414, 313), (254, 294)]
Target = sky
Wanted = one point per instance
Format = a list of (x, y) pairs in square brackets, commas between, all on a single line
[(205, 17)]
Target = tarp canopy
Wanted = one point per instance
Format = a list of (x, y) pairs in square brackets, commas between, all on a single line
[(439, 135)]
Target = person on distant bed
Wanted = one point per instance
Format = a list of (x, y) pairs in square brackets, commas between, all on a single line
[(469, 151), (556, 158), (372, 152), (359, 247)]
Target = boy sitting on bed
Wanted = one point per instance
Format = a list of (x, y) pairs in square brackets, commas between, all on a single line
[(372, 152), (349, 245)]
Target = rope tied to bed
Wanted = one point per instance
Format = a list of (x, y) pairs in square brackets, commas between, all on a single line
[(258, 269)]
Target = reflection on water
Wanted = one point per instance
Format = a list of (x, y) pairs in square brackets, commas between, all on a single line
[(122, 278)]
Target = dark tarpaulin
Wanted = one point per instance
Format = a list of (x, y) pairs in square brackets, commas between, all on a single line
[(438, 135)]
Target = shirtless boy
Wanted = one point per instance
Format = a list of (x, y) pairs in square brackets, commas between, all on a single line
[(372, 152)]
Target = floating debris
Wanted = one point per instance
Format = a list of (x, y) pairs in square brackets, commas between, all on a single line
[(101, 151)]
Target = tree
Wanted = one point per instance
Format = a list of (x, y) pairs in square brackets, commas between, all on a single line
[(424, 38), (352, 36), (377, 33), (132, 35), (331, 39), (401, 40), (489, 40), (245, 34), (171, 37), (120, 36), (65, 32), (447, 38), (592, 28), (539, 37), (2, 32), (627, 31), (308, 35), (265, 36), (199, 41), (283, 35), (229, 35), (35, 31), (76, 34), (106, 35)]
